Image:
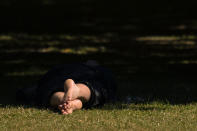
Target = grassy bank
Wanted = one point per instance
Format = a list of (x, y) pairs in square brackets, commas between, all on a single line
[(158, 68)]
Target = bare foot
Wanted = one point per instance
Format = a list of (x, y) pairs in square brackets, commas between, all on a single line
[(71, 90), (70, 106)]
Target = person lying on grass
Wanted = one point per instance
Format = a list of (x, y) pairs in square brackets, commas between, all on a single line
[(72, 87)]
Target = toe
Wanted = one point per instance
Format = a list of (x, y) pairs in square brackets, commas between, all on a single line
[(68, 98), (64, 113), (69, 105), (60, 106), (62, 110)]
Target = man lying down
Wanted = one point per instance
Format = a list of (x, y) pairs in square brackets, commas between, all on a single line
[(72, 87)]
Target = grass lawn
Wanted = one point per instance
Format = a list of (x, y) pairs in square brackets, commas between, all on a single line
[(159, 69), (152, 116)]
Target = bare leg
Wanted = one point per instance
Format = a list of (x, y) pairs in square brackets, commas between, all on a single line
[(57, 99), (76, 91), (70, 106)]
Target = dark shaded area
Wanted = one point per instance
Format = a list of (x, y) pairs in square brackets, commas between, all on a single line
[(150, 45), (95, 17)]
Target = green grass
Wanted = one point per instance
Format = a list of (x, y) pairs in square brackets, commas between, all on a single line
[(140, 64), (152, 116)]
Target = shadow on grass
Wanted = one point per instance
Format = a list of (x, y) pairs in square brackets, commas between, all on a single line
[(152, 51), (170, 75)]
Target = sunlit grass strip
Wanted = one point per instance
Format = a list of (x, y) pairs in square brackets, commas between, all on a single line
[(166, 38), (158, 38), (84, 50), (183, 62), (56, 38), (79, 50), (189, 41), (6, 37)]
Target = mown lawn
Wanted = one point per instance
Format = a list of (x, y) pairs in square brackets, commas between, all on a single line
[(144, 66), (152, 116)]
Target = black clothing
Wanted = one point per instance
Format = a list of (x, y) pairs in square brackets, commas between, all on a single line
[(99, 80)]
